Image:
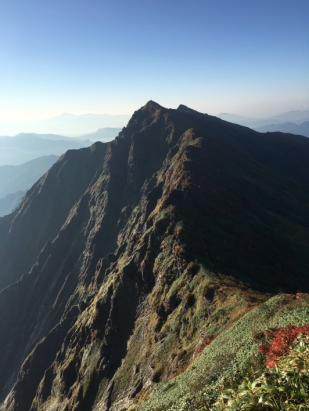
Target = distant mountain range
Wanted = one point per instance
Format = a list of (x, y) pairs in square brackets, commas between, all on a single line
[(28, 146), (300, 129), (296, 117), (103, 134), (25, 147), (22, 177), (65, 124)]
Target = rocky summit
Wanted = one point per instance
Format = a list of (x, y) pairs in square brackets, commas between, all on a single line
[(138, 274)]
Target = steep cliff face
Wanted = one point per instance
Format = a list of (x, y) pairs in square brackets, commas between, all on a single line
[(127, 257)]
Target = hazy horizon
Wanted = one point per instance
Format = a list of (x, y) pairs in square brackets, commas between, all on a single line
[(65, 124), (72, 125)]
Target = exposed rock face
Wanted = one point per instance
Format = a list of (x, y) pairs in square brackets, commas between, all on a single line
[(123, 252)]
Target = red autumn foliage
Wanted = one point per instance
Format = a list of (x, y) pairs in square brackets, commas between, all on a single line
[(302, 296), (179, 371), (206, 341), (280, 343)]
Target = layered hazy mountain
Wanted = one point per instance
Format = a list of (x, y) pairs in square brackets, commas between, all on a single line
[(22, 177), (25, 147), (16, 180), (9, 202), (300, 129), (138, 274), (102, 134), (296, 117), (28, 146)]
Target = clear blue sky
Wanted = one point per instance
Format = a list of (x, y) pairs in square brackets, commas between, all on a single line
[(248, 57)]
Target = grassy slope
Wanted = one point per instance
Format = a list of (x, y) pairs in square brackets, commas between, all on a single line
[(226, 356)]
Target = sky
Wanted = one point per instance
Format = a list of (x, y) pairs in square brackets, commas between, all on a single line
[(247, 57)]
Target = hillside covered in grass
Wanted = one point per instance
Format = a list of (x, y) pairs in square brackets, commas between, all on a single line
[(145, 273)]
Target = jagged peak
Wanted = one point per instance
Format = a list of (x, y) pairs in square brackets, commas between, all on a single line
[(148, 110), (150, 105)]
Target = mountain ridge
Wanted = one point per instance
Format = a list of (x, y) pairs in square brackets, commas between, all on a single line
[(160, 231)]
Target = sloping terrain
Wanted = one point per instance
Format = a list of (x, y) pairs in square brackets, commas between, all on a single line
[(129, 259)]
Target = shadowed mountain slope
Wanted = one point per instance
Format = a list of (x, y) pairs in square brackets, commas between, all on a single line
[(43, 211), (123, 252)]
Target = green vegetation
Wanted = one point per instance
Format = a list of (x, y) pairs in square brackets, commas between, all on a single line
[(231, 357), (282, 387)]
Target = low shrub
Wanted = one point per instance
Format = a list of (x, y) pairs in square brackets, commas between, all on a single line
[(283, 386), (281, 340)]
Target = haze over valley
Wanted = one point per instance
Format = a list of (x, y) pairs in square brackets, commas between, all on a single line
[(65, 124)]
